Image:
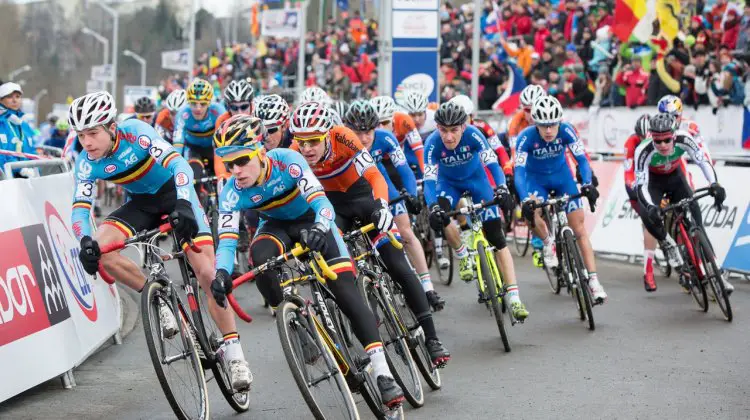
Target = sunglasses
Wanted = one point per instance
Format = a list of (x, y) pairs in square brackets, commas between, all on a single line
[(245, 157), (244, 106), (310, 141), (241, 161), (548, 125), (272, 130), (145, 117), (663, 141)]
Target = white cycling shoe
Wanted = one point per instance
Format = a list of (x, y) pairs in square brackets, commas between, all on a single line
[(240, 375), (550, 255), (597, 291), (669, 247), (167, 321)]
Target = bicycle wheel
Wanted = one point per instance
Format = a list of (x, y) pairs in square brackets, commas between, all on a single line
[(191, 402), (492, 295), (689, 273), (315, 370), (521, 234), (425, 236), (713, 274), (446, 276), (577, 269)]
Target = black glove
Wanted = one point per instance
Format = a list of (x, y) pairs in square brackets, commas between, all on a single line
[(437, 218), (413, 205), (90, 255), (505, 198), (315, 238), (382, 217), (527, 210), (183, 220), (221, 286), (719, 193), (591, 193), (594, 180)]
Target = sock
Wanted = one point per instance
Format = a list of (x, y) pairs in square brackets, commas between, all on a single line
[(438, 245), (426, 281), (232, 347), (593, 277), (548, 240), (512, 292), (428, 326), (648, 261), (461, 252), (377, 357)]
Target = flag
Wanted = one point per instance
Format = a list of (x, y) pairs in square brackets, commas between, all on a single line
[(493, 21), (342, 4), (511, 96), (668, 12), (254, 25), (634, 18)]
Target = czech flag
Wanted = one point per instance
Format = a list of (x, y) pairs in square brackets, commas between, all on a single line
[(634, 18), (511, 96)]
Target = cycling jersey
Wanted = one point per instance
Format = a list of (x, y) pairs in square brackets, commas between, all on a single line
[(495, 144), (346, 169), (385, 151), (429, 124), (408, 137), (541, 167), (165, 124), (142, 163), (223, 117), (194, 133), (517, 124)]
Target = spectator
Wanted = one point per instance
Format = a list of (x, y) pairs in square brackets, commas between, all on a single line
[(340, 85), (575, 93), (16, 135), (540, 35), (731, 29), (635, 80)]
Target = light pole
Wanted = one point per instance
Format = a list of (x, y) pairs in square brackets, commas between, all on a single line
[(37, 97), (12, 75), (302, 23), (475, 55), (103, 40), (141, 61), (115, 29), (191, 47)]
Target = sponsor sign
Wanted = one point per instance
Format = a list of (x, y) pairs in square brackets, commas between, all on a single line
[(283, 23)]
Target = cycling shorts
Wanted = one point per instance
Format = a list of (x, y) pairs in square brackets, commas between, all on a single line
[(562, 183), (478, 185)]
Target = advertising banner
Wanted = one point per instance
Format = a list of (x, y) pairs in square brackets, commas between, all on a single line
[(178, 60), (280, 23), (415, 58)]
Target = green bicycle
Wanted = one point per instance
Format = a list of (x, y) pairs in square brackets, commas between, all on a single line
[(489, 279)]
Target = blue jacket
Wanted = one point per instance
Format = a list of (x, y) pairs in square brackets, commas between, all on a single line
[(16, 135)]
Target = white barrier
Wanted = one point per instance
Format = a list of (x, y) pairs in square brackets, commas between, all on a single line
[(52, 314)]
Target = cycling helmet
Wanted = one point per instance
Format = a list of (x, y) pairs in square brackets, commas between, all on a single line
[(144, 105), (670, 104), (662, 126), (384, 107), (92, 110), (414, 102), (273, 110), (530, 94), (546, 110), (315, 94), (62, 125), (465, 102), (450, 114), (200, 91), (240, 131), (361, 116), (311, 118), (340, 107), (175, 100), (641, 126), (335, 118), (238, 91)]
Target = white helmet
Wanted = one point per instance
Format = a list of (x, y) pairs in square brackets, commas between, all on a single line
[(414, 102), (546, 110), (315, 94), (530, 93), (311, 118), (384, 106), (336, 117), (176, 100), (465, 102), (238, 91), (92, 110), (272, 110)]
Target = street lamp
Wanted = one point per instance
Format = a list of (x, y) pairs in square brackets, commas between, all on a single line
[(37, 97), (115, 29), (12, 75), (141, 61), (99, 38), (302, 24)]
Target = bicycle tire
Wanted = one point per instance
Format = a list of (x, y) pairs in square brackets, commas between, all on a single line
[(150, 297), (585, 294), (521, 242), (712, 272), (687, 248), (447, 277), (490, 286), (286, 331), (425, 236)]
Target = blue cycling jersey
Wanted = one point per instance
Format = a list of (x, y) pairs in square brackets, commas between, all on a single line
[(386, 145), (286, 190), (470, 157), (191, 132), (140, 161), (540, 163)]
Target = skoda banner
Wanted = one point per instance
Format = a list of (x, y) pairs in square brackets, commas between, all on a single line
[(416, 26)]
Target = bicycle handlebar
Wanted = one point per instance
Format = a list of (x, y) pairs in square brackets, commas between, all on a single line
[(204, 180), (474, 207), (367, 228), (698, 194), (561, 200)]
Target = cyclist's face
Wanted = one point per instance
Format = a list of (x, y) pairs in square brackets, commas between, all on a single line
[(549, 132), (451, 136), (664, 147), (273, 138), (386, 125), (199, 110), (418, 118), (366, 137), (313, 149), (247, 175), (96, 141), (527, 115)]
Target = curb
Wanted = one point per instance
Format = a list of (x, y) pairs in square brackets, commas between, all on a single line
[(129, 311)]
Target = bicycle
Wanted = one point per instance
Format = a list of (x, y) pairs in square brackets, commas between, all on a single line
[(309, 333), (699, 266), (514, 222), (427, 237), (200, 338), (570, 271), (489, 280)]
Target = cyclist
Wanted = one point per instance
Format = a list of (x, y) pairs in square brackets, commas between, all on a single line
[(195, 126), (159, 180), (59, 135), (274, 112), (356, 189), (455, 161), (363, 120), (165, 118), (405, 130), (540, 167), (340, 107), (281, 186), (315, 94), (415, 104), (658, 172), (145, 110), (238, 97)]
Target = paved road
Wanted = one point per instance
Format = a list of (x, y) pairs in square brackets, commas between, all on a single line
[(652, 355)]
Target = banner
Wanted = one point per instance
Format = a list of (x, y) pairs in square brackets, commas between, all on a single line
[(102, 73), (95, 86), (415, 58), (133, 93), (52, 314), (280, 23), (177, 60)]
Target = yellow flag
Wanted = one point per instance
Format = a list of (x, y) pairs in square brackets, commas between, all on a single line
[(668, 12), (213, 62), (261, 46)]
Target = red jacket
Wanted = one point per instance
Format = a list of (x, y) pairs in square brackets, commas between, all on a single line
[(540, 40), (636, 85)]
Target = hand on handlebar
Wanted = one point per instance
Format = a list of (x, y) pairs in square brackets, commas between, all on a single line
[(527, 210), (437, 218), (315, 238), (719, 194), (413, 205), (183, 220), (221, 287), (90, 255), (591, 193), (504, 198)]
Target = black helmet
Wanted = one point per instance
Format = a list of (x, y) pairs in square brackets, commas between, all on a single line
[(361, 116), (641, 126), (450, 114), (144, 105), (662, 124)]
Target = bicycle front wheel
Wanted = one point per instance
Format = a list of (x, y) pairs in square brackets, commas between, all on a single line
[(490, 286), (689, 274), (175, 359), (576, 267), (521, 234), (713, 274)]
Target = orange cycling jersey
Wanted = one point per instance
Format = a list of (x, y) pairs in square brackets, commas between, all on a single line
[(165, 121), (517, 124), (347, 169), (406, 133), (219, 169)]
